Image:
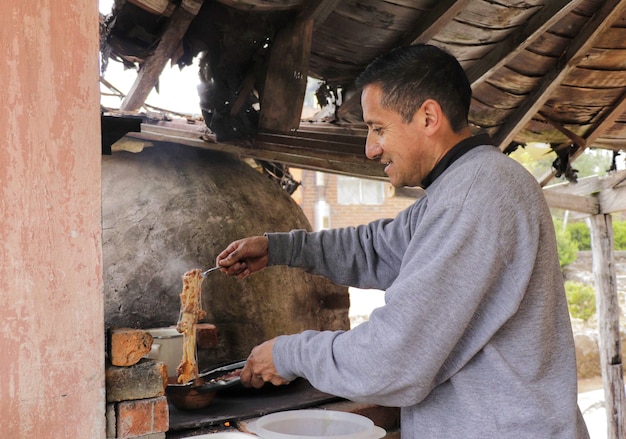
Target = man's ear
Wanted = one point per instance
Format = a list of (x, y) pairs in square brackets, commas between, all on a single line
[(433, 116)]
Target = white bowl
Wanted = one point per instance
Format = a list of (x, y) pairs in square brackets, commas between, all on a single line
[(315, 424), (223, 435)]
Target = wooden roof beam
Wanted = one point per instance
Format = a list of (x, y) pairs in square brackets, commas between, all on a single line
[(575, 138), (154, 64), (436, 19), (580, 45), (286, 77), (424, 30), (607, 120), (302, 153), (512, 45), (592, 195), (318, 11)]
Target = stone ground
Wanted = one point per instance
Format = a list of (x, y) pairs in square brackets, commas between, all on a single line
[(591, 393)]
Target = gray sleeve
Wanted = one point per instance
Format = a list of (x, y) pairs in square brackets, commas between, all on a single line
[(367, 256), (454, 273)]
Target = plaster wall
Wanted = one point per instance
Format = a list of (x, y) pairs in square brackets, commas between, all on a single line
[(51, 305)]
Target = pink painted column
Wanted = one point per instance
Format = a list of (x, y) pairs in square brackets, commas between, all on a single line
[(51, 305)]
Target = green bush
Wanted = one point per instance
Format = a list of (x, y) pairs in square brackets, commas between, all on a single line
[(579, 233), (581, 299), (619, 234), (568, 249)]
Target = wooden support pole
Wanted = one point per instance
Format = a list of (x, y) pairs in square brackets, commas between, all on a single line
[(285, 81), (608, 321), (153, 65)]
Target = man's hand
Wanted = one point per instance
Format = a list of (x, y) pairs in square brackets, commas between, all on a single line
[(259, 368), (244, 257)]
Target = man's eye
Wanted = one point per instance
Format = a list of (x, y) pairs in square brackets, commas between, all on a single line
[(377, 130)]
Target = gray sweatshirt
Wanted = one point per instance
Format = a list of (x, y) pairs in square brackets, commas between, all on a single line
[(474, 339)]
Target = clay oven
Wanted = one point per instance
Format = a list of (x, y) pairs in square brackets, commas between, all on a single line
[(172, 208)]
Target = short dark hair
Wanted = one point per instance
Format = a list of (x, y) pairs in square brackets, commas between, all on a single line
[(410, 75)]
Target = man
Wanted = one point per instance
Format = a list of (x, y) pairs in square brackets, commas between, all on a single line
[(474, 340)]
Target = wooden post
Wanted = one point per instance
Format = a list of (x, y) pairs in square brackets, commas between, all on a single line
[(153, 65), (285, 81), (608, 320)]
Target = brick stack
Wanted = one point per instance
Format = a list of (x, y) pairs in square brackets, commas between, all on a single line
[(135, 387)]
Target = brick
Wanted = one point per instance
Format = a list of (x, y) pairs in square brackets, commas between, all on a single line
[(142, 417), (146, 379), (128, 346), (206, 336)]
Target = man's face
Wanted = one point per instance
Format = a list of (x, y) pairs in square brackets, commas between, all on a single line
[(403, 148)]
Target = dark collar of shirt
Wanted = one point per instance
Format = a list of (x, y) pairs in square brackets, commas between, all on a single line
[(455, 152)]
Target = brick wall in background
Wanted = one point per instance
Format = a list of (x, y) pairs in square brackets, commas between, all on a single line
[(343, 215)]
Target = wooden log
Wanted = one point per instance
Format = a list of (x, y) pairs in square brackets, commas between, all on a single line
[(285, 83), (153, 65), (608, 321)]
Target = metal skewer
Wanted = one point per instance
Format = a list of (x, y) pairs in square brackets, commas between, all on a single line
[(204, 273)]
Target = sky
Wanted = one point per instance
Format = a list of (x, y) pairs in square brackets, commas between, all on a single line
[(178, 92)]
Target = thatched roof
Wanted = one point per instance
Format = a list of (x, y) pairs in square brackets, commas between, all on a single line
[(551, 71)]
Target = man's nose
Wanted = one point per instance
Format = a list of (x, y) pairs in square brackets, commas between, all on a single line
[(372, 148)]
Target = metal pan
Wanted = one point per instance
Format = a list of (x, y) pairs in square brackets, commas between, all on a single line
[(213, 379), (200, 392)]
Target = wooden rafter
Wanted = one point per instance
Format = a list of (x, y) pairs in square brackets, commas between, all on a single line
[(595, 132), (286, 77), (318, 11), (335, 153), (153, 65), (435, 20), (580, 45), (575, 138), (425, 29), (591, 195), (507, 49)]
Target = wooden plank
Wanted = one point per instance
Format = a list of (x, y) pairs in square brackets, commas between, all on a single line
[(607, 305), (286, 78), (584, 186), (517, 41), (613, 38), (604, 59), (495, 97), (318, 11), (575, 138), (511, 82), (384, 15), (603, 97), (319, 144), (457, 32), (153, 65), (434, 21), (603, 19), (484, 115), (492, 15), (573, 114), (306, 158), (263, 5), (529, 63), (612, 200), (580, 77), (608, 119), (577, 203)]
